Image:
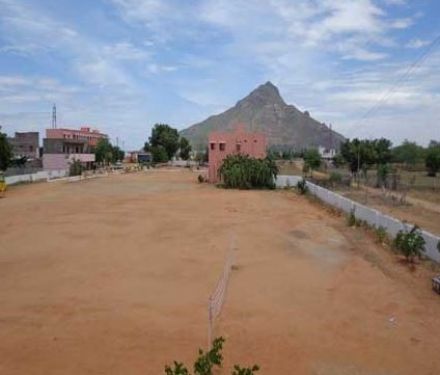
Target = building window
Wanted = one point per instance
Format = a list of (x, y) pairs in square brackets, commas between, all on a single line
[(222, 146), (212, 146), (238, 147)]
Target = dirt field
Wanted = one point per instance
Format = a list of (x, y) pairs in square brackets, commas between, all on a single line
[(112, 276)]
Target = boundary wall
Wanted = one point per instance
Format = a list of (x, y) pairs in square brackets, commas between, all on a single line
[(39, 176), (370, 215)]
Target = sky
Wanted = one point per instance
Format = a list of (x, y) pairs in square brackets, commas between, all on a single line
[(371, 68)]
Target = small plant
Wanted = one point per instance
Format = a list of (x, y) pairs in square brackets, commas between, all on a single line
[(206, 361), (179, 369), (382, 235), (302, 186), (75, 168), (411, 244), (245, 370), (352, 221), (335, 178), (201, 179)]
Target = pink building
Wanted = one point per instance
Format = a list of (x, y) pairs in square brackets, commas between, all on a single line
[(92, 136), (239, 141), (63, 146)]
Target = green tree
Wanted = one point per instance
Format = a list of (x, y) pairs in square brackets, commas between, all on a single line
[(185, 148), (382, 151), (165, 136), (117, 154), (432, 160), (5, 152), (312, 159), (104, 152), (360, 155), (159, 154), (409, 153), (338, 160)]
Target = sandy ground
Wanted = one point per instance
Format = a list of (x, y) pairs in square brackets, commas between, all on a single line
[(112, 276)]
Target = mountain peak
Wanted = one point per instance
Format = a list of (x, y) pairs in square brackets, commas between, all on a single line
[(264, 110), (266, 93)]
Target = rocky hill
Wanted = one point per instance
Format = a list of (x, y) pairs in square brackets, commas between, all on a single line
[(285, 126)]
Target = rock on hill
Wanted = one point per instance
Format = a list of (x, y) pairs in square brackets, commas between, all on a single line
[(265, 110)]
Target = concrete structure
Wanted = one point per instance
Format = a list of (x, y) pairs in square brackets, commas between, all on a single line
[(25, 144), (370, 215), (239, 141), (326, 153), (140, 157), (63, 146), (91, 136)]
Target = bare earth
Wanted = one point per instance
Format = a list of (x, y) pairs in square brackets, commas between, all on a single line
[(112, 276)]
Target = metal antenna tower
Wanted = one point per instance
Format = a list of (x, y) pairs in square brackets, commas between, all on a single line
[(54, 116)]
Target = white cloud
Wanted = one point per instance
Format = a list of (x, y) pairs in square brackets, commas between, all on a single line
[(417, 43)]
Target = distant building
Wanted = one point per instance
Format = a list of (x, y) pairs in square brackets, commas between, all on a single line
[(62, 146), (239, 141), (25, 144), (138, 157), (326, 153), (84, 133)]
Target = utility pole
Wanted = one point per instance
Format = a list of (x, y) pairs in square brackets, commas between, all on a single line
[(54, 116), (359, 164)]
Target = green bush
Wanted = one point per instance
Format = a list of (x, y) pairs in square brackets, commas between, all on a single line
[(382, 235), (244, 172), (75, 168), (206, 361), (335, 178), (179, 369), (352, 221), (245, 371), (411, 244)]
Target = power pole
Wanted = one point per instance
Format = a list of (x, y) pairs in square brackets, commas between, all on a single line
[(54, 116)]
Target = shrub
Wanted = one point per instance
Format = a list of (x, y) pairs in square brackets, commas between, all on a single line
[(382, 235), (244, 172), (206, 361), (352, 221), (245, 371), (179, 369), (335, 178), (302, 186), (75, 168), (411, 244)]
